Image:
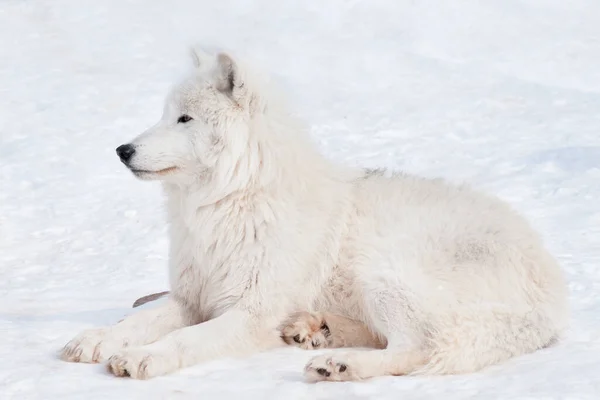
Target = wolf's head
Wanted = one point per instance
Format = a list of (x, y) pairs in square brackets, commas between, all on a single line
[(204, 128)]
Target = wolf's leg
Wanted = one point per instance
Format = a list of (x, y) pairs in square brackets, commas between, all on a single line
[(146, 326), (234, 333), (326, 330), (394, 313)]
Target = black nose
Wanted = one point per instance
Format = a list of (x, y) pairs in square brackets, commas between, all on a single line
[(125, 151)]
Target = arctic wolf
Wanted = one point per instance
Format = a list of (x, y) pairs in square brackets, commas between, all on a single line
[(270, 243)]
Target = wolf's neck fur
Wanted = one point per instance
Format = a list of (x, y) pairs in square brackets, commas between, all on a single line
[(266, 166)]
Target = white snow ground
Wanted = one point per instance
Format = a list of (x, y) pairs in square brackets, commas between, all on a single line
[(504, 94)]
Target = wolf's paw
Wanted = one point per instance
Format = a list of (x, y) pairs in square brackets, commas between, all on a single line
[(329, 368), (142, 362), (305, 330), (92, 346)]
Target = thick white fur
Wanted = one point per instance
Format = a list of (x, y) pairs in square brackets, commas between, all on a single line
[(262, 226)]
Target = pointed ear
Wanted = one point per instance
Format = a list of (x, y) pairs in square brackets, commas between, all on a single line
[(199, 56), (228, 74)]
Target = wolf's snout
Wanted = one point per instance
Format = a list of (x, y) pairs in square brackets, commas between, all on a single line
[(125, 151)]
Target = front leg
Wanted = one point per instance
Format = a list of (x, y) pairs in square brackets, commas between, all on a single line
[(146, 326), (233, 334)]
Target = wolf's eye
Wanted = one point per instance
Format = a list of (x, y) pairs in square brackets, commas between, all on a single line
[(184, 118)]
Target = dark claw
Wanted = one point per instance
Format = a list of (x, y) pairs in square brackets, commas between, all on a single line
[(325, 329), (323, 371), (297, 339), (343, 367)]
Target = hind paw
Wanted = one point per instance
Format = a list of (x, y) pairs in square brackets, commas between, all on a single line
[(305, 330), (329, 368)]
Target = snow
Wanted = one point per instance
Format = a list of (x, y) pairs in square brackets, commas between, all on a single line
[(501, 94)]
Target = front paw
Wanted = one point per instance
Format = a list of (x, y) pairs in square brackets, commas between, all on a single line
[(305, 330), (92, 346), (143, 362)]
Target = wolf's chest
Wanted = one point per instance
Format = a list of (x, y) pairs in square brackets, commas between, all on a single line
[(214, 255), (208, 282)]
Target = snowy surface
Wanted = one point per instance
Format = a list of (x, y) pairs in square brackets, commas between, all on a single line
[(503, 94)]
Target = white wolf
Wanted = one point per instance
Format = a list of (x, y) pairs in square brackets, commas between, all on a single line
[(269, 240)]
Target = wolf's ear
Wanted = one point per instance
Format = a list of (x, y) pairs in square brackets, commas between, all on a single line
[(199, 56), (228, 74), (230, 79)]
